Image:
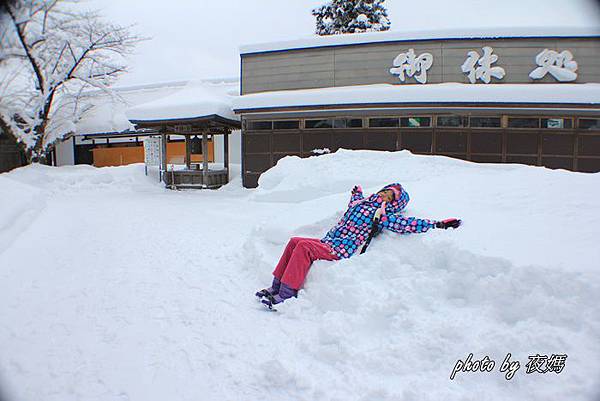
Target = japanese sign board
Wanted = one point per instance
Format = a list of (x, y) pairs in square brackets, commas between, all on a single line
[(152, 151)]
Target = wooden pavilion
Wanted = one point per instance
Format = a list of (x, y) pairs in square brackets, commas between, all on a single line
[(196, 132)]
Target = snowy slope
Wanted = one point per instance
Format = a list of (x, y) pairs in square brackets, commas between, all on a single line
[(118, 289), (20, 205)]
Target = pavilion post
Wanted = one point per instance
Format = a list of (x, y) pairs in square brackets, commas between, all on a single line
[(226, 152), (163, 155), (205, 155), (188, 152)]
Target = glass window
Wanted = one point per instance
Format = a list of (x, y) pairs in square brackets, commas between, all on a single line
[(415, 122), (485, 122), (290, 124), (589, 123), (259, 125), (452, 121), (557, 123), (340, 123), (196, 145), (333, 123), (316, 124), (523, 122), (383, 122), (347, 123), (354, 123)]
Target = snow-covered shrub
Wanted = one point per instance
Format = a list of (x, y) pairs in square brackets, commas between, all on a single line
[(351, 16)]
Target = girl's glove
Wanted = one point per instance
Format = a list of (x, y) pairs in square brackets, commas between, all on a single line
[(356, 190), (445, 224)]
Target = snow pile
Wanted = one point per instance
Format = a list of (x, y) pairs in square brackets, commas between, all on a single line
[(520, 276), (85, 178), (146, 293), (196, 99), (511, 210), (20, 204)]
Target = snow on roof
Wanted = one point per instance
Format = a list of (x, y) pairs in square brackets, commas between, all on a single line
[(430, 93), (196, 99), (108, 112), (396, 36)]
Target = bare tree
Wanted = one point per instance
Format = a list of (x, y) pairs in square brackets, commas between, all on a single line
[(52, 52)]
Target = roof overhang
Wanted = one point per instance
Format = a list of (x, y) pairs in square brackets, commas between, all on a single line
[(446, 95), (115, 135), (213, 121)]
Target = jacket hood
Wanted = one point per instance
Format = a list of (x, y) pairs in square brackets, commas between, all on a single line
[(400, 201)]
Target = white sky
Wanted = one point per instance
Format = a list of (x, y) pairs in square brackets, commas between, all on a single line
[(200, 38)]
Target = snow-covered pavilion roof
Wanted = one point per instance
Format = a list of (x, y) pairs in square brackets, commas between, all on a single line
[(422, 35), (198, 99), (108, 111), (386, 94)]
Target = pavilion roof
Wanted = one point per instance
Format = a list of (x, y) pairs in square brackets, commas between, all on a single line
[(200, 104)]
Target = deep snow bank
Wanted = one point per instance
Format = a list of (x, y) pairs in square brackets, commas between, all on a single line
[(24, 191), (120, 289), (20, 204), (523, 213), (519, 277), (82, 178)]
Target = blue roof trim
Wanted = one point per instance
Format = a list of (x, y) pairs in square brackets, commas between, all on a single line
[(420, 40)]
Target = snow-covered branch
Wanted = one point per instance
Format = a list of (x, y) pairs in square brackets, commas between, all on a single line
[(53, 52)]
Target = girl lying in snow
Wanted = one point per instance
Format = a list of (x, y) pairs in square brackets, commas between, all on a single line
[(345, 239)]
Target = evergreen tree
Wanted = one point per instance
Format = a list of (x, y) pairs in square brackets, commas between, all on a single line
[(351, 16)]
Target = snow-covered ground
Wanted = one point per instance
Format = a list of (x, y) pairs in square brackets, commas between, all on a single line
[(114, 288)]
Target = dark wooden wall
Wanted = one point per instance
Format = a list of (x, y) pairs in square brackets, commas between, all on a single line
[(569, 148)]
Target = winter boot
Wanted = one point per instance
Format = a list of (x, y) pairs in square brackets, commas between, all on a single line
[(274, 289), (284, 293)]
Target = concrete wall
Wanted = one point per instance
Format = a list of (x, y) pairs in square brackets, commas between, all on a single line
[(370, 63), (65, 154), (235, 148)]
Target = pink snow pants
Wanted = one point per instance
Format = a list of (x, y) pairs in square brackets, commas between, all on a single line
[(295, 262)]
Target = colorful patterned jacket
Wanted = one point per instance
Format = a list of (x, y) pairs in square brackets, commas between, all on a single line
[(347, 236)]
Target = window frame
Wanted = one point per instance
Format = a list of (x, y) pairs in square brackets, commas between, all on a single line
[(588, 129), (333, 119), (248, 122), (317, 119), (381, 118), (499, 117), (539, 118), (299, 121), (461, 116), (430, 126), (556, 118)]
